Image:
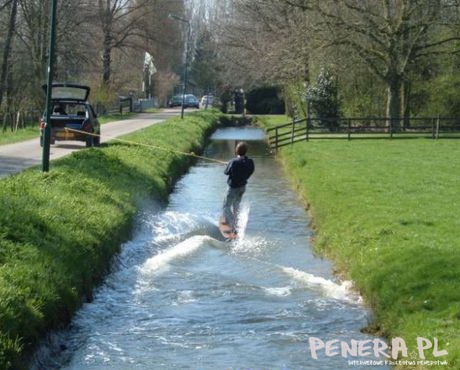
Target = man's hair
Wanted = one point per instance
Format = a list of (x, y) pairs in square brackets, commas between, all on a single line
[(241, 148)]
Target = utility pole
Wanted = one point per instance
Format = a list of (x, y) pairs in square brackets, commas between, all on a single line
[(47, 130), (187, 43)]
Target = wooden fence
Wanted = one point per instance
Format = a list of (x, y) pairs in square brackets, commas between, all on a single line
[(362, 128), (20, 119)]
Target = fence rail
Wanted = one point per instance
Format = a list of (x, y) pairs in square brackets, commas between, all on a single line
[(359, 127)]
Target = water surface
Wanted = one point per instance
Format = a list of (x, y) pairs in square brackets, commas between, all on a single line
[(179, 298)]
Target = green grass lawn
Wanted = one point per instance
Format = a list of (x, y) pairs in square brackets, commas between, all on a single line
[(388, 213), (10, 137), (115, 117)]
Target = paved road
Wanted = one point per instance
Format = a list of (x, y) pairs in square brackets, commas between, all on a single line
[(19, 156)]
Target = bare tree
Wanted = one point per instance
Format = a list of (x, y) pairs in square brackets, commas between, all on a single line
[(162, 38), (99, 42), (388, 36), (267, 39), (117, 21), (124, 30)]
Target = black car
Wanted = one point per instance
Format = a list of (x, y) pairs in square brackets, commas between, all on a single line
[(72, 117), (191, 101), (175, 101)]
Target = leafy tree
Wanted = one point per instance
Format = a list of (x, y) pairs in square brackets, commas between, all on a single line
[(323, 99)]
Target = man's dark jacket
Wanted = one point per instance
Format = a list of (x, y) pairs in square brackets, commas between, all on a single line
[(239, 170)]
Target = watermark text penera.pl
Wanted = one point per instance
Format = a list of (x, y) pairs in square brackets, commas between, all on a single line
[(376, 347)]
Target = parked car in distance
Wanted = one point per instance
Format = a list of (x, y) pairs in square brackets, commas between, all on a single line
[(71, 110), (207, 101), (190, 101), (175, 101)]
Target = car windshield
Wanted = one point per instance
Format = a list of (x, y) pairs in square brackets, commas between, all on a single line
[(69, 108), (70, 92)]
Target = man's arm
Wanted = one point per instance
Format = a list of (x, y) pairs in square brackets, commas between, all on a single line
[(228, 168)]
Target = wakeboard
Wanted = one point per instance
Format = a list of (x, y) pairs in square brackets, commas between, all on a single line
[(226, 230)]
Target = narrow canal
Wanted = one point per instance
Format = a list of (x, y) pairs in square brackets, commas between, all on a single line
[(180, 299)]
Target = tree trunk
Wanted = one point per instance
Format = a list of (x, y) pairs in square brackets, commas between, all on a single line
[(7, 48), (394, 102), (406, 104), (107, 59)]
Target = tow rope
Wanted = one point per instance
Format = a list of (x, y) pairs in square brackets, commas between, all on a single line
[(190, 154)]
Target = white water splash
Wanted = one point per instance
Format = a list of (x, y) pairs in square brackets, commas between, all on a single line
[(341, 291), (173, 225), (279, 291), (243, 218), (182, 249)]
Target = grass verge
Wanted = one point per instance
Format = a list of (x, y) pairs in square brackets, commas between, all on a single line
[(106, 118), (58, 230), (10, 137), (387, 212)]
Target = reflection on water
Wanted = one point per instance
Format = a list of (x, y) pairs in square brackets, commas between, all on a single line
[(181, 299)]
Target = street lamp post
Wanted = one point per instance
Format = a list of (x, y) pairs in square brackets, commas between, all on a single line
[(47, 129), (184, 90)]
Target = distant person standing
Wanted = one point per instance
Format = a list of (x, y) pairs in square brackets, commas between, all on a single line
[(238, 170)]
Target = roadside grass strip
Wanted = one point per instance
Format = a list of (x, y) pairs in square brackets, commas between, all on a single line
[(11, 137), (59, 230), (387, 212)]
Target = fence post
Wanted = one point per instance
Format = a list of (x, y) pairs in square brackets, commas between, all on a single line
[(276, 138), (349, 129), (292, 130), (433, 129), (437, 128), (306, 129)]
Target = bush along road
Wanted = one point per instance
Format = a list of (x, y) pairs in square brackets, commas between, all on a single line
[(59, 230)]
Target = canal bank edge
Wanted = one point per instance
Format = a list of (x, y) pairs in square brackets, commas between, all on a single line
[(59, 230)]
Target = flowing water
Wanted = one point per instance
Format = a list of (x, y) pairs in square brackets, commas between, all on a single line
[(178, 298)]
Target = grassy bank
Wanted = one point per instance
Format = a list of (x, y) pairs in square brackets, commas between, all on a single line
[(59, 230), (10, 137), (387, 212)]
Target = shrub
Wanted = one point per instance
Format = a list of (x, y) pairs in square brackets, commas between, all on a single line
[(324, 100), (265, 100)]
